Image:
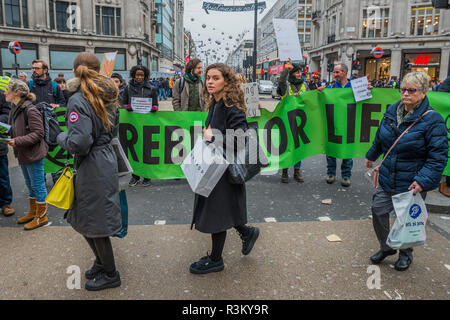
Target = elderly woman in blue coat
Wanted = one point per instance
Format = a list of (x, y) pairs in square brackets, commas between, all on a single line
[(415, 163)]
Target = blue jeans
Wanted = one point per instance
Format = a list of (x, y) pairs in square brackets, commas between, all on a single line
[(298, 165), (346, 167), (35, 180), (162, 92), (5, 185)]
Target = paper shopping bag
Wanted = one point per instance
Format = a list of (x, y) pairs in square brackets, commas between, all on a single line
[(203, 167)]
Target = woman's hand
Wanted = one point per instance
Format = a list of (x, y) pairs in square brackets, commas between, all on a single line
[(12, 143), (207, 134), (369, 164), (416, 187)]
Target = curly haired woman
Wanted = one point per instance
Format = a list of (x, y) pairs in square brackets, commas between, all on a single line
[(226, 206)]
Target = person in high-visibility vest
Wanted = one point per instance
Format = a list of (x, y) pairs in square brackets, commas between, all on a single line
[(4, 81), (291, 83)]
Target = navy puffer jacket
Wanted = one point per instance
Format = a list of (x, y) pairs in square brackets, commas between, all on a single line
[(420, 155)]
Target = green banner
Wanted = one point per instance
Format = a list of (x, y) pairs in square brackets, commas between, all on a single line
[(328, 122)]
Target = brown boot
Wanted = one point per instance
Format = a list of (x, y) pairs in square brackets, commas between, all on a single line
[(298, 175), (444, 189), (30, 214), (8, 210), (40, 219), (285, 176)]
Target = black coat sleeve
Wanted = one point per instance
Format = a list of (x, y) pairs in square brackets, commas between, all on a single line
[(5, 108), (155, 97), (61, 100)]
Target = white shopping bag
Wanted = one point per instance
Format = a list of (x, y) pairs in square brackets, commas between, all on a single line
[(409, 227), (203, 167), (123, 165)]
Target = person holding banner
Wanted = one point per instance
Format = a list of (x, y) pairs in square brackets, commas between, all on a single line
[(341, 81), (226, 205), (92, 124), (415, 163), (139, 87), (30, 149), (291, 83)]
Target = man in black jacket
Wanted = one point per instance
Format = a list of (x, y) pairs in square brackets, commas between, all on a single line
[(5, 186), (43, 87)]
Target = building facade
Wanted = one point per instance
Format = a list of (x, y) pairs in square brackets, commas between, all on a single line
[(241, 58), (267, 59), (389, 38), (56, 31)]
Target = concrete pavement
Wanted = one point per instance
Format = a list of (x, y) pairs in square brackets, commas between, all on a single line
[(291, 261)]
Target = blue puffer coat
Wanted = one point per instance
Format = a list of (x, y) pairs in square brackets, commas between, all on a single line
[(420, 155)]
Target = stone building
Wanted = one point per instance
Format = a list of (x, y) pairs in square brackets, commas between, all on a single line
[(389, 38), (56, 31)]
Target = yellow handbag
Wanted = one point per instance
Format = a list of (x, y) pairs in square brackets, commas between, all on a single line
[(63, 192)]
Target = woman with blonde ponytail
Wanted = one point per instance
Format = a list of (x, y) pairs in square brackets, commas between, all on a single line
[(30, 149), (92, 122)]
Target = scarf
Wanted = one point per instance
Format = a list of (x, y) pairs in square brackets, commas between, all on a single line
[(296, 82), (194, 95), (402, 114)]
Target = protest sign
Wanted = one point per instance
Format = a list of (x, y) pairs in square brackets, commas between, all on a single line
[(360, 88), (251, 97), (141, 105), (4, 128), (328, 122), (287, 39), (108, 62)]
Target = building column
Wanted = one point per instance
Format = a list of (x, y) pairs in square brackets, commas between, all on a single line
[(396, 62), (445, 57), (44, 52), (87, 17), (37, 14), (399, 23)]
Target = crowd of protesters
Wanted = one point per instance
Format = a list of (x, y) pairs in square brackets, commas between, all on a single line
[(92, 102)]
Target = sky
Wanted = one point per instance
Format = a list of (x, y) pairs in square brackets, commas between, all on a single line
[(229, 23)]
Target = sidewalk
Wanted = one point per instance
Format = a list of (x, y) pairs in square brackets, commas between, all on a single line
[(289, 261)]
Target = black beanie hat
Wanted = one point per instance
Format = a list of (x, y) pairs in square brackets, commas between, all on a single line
[(295, 68)]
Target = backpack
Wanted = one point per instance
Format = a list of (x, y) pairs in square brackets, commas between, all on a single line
[(55, 88), (49, 119)]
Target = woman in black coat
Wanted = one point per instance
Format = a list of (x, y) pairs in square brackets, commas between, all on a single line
[(226, 206)]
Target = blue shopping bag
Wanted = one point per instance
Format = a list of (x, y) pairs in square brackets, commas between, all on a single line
[(124, 212)]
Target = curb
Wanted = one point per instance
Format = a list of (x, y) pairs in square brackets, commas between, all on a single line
[(437, 202)]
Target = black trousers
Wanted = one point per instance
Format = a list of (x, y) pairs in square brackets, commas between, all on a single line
[(218, 241), (102, 249)]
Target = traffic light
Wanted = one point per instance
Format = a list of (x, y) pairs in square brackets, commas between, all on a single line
[(356, 65), (330, 67), (406, 64)]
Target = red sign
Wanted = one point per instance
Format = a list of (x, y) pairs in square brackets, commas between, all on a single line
[(276, 69), (422, 60), (14, 47), (377, 52)]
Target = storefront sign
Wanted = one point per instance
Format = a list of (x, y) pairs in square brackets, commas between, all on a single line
[(422, 60), (377, 52), (14, 47)]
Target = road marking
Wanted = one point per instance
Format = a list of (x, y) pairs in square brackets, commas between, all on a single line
[(270, 219), (160, 222), (447, 266), (324, 219)]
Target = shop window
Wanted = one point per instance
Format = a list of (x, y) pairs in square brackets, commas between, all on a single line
[(108, 21), (375, 23), (23, 59), (424, 20), (60, 15), (62, 60), (12, 10)]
